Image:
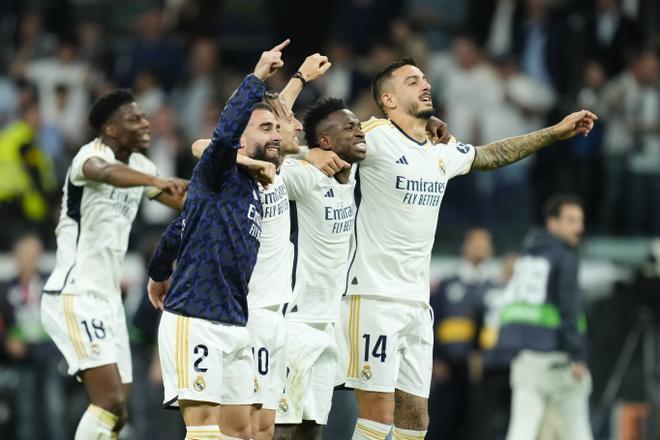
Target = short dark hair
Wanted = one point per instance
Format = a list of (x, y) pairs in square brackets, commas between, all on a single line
[(552, 206), (383, 75), (263, 105), (317, 113), (106, 106)]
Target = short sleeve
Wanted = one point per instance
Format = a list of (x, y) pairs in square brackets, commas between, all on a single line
[(94, 149), (299, 177), (457, 157)]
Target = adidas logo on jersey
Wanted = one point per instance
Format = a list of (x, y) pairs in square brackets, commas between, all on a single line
[(354, 281), (402, 160), (330, 193)]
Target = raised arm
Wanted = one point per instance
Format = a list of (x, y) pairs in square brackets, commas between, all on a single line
[(313, 67), (235, 116), (506, 151)]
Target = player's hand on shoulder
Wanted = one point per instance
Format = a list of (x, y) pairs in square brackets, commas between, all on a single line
[(578, 123), (326, 161), (270, 61), (438, 131), (314, 66), (157, 291), (173, 185)]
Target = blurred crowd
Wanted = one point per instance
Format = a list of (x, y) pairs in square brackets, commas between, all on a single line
[(498, 68)]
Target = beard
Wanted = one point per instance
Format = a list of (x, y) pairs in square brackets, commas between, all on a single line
[(414, 110), (261, 154)]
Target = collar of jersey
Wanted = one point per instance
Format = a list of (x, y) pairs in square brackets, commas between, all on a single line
[(421, 144)]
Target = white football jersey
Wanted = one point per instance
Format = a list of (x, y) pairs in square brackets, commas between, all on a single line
[(94, 226), (270, 283), (325, 212), (401, 184)]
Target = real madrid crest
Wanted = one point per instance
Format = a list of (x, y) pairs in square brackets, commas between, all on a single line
[(366, 372), (284, 406), (96, 349), (199, 383)]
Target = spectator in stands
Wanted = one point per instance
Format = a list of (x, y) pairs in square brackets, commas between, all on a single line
[(456, 305), (518, 104), (148, 92), (631, 155), (611, 36), (61, 83), (153, 50), (199, 86), (539, 43), (41, 384), (28, 180)]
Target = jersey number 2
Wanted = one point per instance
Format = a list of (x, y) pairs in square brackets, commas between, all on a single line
[(379, 347)]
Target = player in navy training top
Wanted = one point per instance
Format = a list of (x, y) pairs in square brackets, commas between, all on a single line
[(203, 343)]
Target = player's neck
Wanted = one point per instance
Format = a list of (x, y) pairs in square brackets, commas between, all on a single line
[(121, 154), (412, 126), (343, 176)]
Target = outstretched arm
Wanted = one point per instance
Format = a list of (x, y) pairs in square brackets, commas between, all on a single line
[(507, 151), (123, 176)]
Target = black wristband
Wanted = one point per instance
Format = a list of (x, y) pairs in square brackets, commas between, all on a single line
[(300, 77)]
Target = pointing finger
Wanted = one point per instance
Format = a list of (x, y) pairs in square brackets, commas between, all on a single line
[(282, 45)]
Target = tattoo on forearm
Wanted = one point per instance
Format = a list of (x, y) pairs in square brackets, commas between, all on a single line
[(510, 150)]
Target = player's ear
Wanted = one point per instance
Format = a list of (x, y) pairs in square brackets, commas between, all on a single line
[(110, 130), (324, 141), (388, 100)]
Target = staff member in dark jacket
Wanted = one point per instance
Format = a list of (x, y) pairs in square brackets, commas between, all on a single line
[(543, 323)]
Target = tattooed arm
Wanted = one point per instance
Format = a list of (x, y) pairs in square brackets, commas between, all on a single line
[(506, 151)]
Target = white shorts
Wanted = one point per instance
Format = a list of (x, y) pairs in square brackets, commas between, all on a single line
[(204, 361), (89, 331), (312, 360), (268, 337), (386, 344)]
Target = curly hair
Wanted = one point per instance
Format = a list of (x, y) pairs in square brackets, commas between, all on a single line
[(317, 113)]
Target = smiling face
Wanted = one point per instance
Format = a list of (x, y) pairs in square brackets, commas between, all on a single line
[(261, 138), (408, 92), (130, 128), (343, 134), (290, 128)]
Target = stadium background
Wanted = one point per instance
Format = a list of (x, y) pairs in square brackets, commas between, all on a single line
[(498, 68)]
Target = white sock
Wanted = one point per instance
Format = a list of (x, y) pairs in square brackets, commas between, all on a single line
[(369, 430), (206, 432), (96, 424), (408, 434)]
